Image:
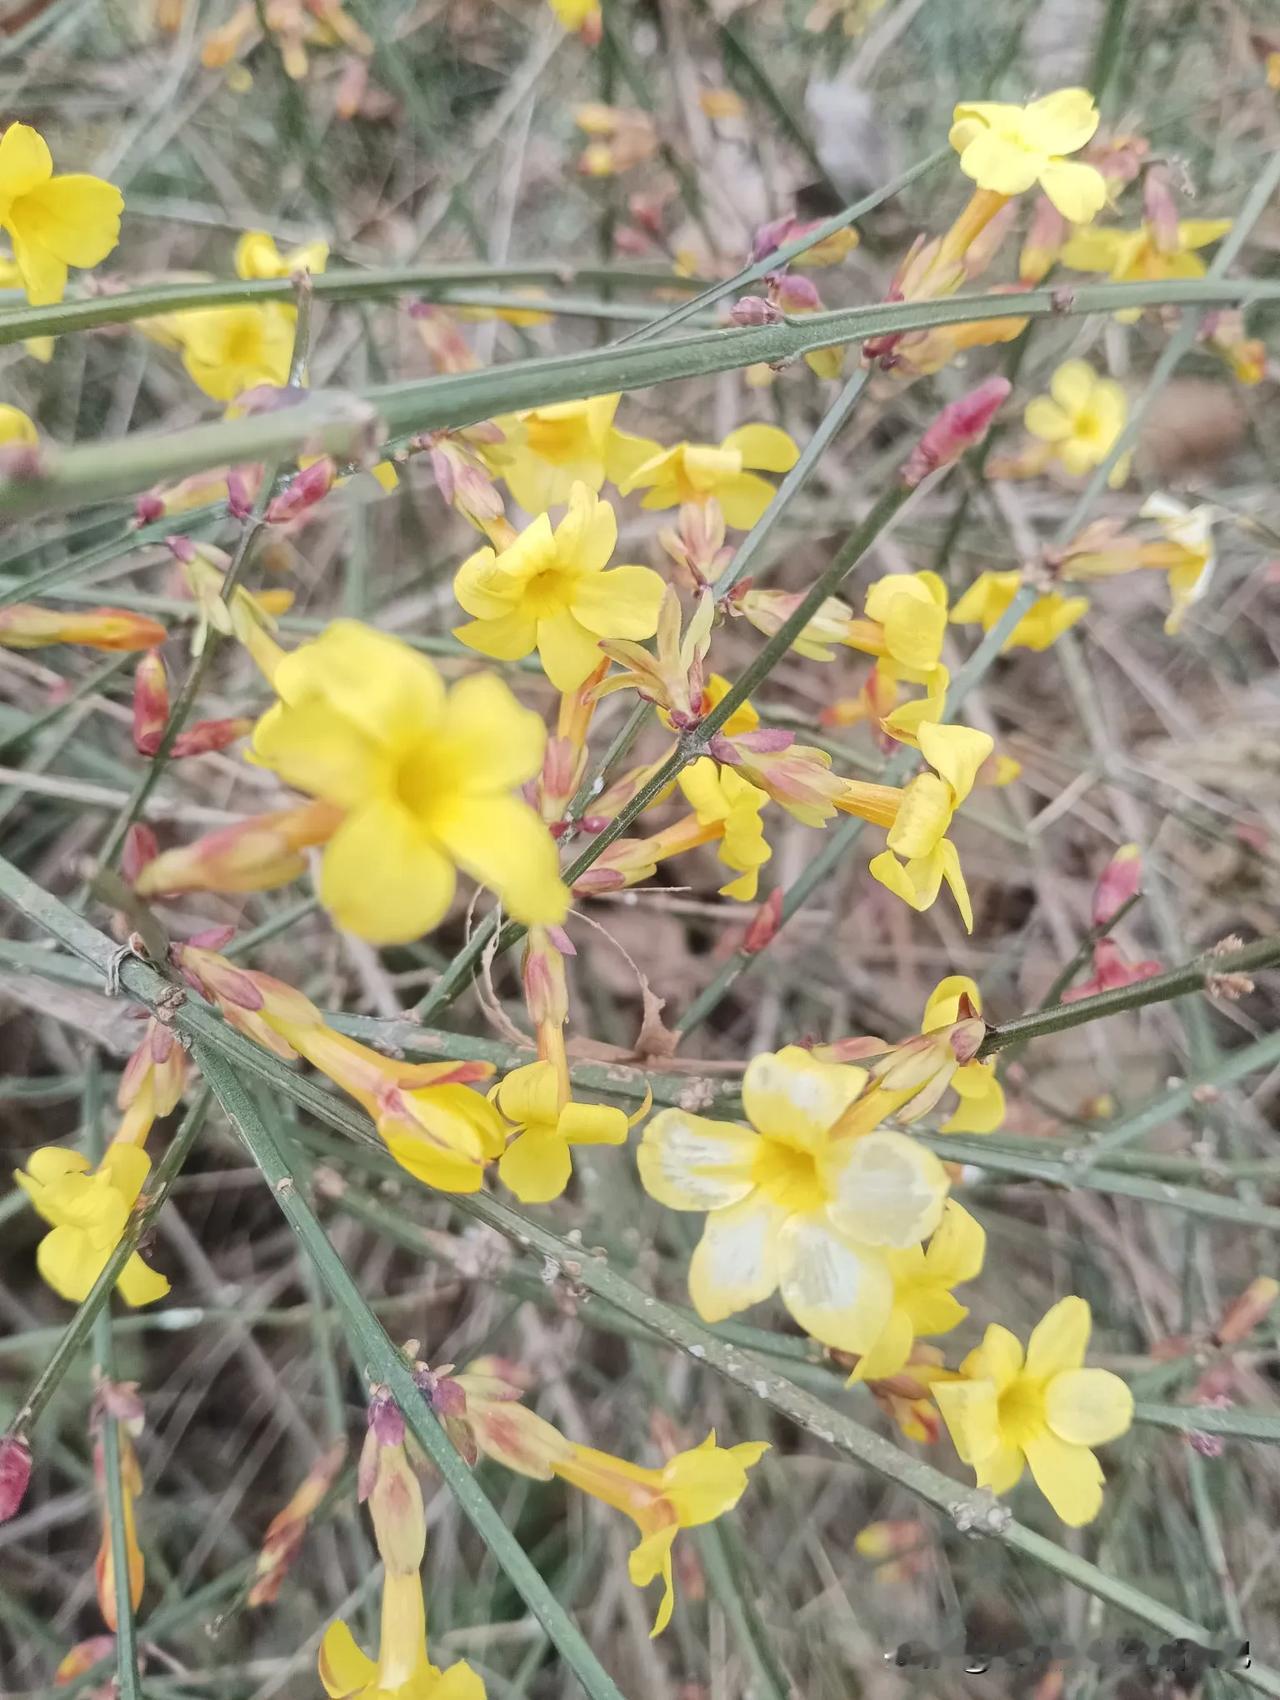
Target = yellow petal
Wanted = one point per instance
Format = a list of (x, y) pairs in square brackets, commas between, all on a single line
[(943, 1007), (127, 1167), (743, 499), (622, 603), (25, 161), (890, 1351), (316, 749), (343, 1668), (956, 752), (44, 275), (1046, 420), (708, 1480), (51, 1162), (531, 1095), (139, 1284), (689, 1162), (381, 877), (494, 743), (588, 534), (501, 842), (971, 1412), (1088, 1406), (567, 650), (886, 1190), (735, 1263), (650, 1559), (509, 638), (1060, 1339), (792, 1097), (763, 447), (1062, 122), (839, 1292), (949, 861), (997, 1360), (76, 218), (996, 164), (385, 689), (69, 1262), (593, 1124), (957, 1248), (982, 1105), (536, 1165), (1078, 191), (1069, 1477)]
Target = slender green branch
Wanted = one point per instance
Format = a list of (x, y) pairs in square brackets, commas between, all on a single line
[(385, 1365), (1230, 1422), (128, 1679), (1198, 975), (337, 422)]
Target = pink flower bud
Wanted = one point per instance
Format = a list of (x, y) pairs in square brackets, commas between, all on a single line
[(765, 923), (15, 1473), (959, 426), (794, 294), (182, 549), (240, 492), (754, 310), (771, 236), (302, 492), (147, 509), (1119, 882), (209, 735), (140, 847), (150, 703), (1160, 209)]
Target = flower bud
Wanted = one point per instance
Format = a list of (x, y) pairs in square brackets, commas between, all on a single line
[(764, 924), (249, 855), (25, 626), (150, 703), (303, 491), (1244, 1314), (1119, 883), (140, 847), (754, 310), (208, 736), (959, 427), (286, 1530), (15, 1474)]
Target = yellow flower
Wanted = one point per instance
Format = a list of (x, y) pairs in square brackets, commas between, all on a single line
[(1046, 1411), (15, 427), (692, 1488), (537, 1164), (911, 612), (795, 1205), (257, 256), (923, 1302), (1080, 418), (699, 472), (1137, 256), (720, 794), (918, 834), (88, 1212), (425, 776), (53, 222), (575, 14), (548, 450), (1189, 533), (1009, 149), (402, 1670), (228, 350), (1043, 623), (549, 590), (981, 1108)]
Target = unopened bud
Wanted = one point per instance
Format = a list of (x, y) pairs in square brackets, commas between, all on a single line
[(764, 924), (150, 703), (310, 485), (1244, 1314), (959, 427), (15, 1474), (794, 294), (1118, 884), (206, 736), (140, 847), (23, 625)]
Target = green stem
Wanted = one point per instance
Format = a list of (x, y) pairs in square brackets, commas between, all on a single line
[(128, 1679), (1229, 1422), (1198, 975), (337, 422), (385, 1365)]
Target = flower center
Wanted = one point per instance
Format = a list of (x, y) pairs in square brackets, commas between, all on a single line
[(788, 1176), (557, 440), (1021, 1410), (547, 593)]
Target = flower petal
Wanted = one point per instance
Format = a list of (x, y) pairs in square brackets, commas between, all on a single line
[(650, 1559), (317, 750), (493, 742), (1046, 420), (622, 603), (501, 842), (69, 1262), (587, 535), (510, 637), (943, 1007), (970, 1409), (997, 1360), (536, 1165), (382, 687), (25, 161), (957, 1248), (689, 1162), (593, 1124), (886, 1190), (1060, 1339), (791, 1096), (1069, 1477), (763, 447), (839, 1292), (956, 752), (139, 1284), (996, 164), (381, 877), (1088, 1406), (743, 499), (1079, 191), (531, 1095), (735, 1263), (1062, 122), (343, 1667), (568, 651), (76, 218)]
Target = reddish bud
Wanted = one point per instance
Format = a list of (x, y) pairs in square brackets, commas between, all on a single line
[(150, 703), (959, 427), (147, 509), (764, 924), (771, 236), (15, 1473), (311, 485), (1118, 884), (209, 735), (140, 847), (794, 294)]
